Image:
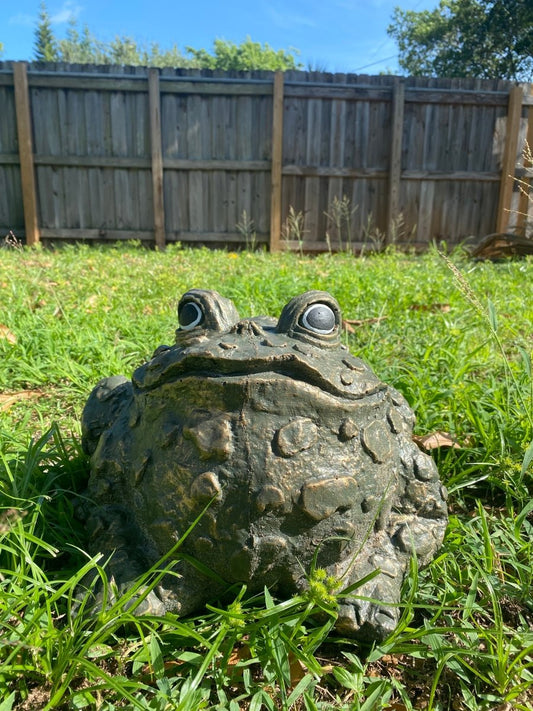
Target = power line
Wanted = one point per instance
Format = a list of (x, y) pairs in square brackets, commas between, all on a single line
[(384, 59)]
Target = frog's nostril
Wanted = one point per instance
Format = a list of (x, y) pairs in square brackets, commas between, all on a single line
[(248, 326)]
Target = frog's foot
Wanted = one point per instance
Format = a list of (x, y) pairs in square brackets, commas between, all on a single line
[(138, 603), (141, 602), (374, 611), (367, 619)]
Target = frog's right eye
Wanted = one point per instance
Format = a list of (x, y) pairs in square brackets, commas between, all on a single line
[(190, 315), (319, 318), (201, 311)]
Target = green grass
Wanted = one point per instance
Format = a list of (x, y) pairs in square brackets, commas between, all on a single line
[(458, 350)]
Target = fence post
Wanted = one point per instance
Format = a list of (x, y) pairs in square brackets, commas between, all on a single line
[(154, 97), (525, 185), (398, 102), (509, 158), (277, 162), (24, 135)]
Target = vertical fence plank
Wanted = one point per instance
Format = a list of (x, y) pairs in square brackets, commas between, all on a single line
[(88, 178), (398, 103), (509, 158), (157, 157), (24, 132), (277, 160), (525, 185)]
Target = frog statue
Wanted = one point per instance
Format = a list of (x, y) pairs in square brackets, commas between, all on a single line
[(286, 450)]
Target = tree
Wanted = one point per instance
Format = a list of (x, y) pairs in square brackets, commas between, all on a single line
[(76, 47), (84, 48), (247, 55), (81, 46), (489, 39), (45, 45), (125, 50)]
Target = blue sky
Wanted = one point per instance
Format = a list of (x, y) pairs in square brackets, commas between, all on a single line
[(335, 35)]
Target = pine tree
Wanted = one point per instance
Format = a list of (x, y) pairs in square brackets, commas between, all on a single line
[(45, 46)]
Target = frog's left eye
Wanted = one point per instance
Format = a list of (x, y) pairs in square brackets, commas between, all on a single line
[(314, 317), (319, 318), (189, 315)]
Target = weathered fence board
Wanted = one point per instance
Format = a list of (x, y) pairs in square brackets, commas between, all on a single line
[(107, 153), (25, 144)]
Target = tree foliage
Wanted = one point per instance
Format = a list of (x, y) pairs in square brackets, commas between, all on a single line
[(247, 55), (481, 38), (45, 45), (81, 46)]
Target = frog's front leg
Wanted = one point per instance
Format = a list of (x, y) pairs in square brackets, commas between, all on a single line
[(372, 610), (366, 618), (128, 555), (123, 558)]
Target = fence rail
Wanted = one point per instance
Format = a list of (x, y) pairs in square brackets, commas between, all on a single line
[(316, 161)]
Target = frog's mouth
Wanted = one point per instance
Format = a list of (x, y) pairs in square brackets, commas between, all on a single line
[(345, 380)]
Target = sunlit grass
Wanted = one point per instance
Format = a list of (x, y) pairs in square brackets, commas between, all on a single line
[(71, 316)]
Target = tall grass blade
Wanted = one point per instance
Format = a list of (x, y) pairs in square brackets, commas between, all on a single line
[(528, 457), (493, 318), (7, 704)]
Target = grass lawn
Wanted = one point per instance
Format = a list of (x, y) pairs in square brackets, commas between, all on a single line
[(457, 344)]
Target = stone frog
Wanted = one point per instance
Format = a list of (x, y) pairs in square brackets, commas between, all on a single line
[(295, 452)]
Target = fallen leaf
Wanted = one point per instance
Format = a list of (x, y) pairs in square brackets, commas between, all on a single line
[(347, 327), (9, 517), (349, 323), (9, 399), (7, 335), (239, 654), (172, 668), (434, 440), (390, 659), (297, 669), (41, 303), (431, 307)]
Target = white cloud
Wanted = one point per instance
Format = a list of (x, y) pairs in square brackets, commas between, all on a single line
[(355, 7), (22, 19), (68, 11), (288, 20)]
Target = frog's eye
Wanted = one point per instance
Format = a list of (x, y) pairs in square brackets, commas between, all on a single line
[(204, 310), (319, 318), (189, 315), (314, 317)]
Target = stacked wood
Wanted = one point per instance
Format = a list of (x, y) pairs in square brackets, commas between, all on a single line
[(498, 246)]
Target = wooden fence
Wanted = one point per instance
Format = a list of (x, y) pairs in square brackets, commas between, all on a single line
[(316, 161)]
